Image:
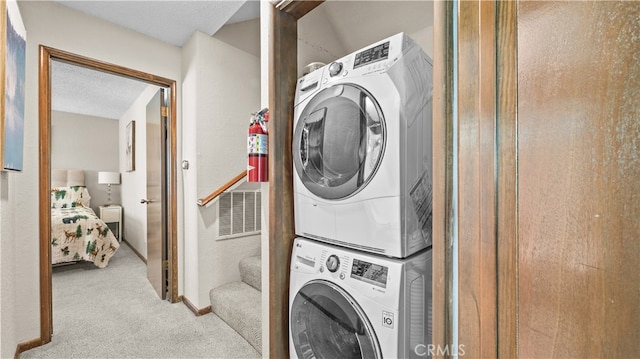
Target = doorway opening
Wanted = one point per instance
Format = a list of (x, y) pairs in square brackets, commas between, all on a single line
[(47, 55)]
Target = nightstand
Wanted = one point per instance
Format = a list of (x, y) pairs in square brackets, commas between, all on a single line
[(112, 215)]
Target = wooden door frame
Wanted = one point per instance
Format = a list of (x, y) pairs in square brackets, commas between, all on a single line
[(506, 222), (46, 55), (487, 180), (443, 142), (283, 69)]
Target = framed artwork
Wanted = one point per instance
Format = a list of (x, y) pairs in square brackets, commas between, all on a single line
[(130, 151), (13, 41)]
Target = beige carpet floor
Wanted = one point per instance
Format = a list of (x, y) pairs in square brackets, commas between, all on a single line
[(115, 313)]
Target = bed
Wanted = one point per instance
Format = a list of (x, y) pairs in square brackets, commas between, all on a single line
[(77, 234)]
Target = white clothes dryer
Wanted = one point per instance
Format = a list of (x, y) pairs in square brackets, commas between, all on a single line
[(351, 304), (362, 150)]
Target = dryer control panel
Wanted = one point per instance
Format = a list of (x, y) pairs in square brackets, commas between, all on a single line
[(373, 54)]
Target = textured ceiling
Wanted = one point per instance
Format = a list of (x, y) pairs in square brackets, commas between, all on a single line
[(80, 90), (170, 21), (94, 93)]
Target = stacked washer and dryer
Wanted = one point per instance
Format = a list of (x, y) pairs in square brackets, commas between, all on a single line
[(360, 284)]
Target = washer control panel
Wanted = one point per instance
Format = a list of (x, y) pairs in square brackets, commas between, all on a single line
[(370, 273)]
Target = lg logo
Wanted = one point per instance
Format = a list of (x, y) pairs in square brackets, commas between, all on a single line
[(387, 319)]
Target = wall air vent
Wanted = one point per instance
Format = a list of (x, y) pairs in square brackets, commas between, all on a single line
[(239, 214)]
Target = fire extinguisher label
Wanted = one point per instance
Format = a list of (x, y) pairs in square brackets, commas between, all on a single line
[(258, 144)]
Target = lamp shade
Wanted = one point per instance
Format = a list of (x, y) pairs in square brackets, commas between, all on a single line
[(108, 177)]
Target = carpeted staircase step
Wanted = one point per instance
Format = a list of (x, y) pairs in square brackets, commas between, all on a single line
[(239, 305), (251, 271)]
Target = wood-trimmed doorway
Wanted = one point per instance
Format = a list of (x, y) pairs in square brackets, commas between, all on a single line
[(46, 55)]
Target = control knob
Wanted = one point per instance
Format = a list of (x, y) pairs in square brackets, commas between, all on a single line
[(333, 263), (335, 68)]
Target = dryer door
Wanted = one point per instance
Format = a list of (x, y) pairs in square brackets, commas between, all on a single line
[(339, 141), (326, 323)]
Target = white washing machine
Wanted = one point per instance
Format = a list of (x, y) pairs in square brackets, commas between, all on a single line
[(362, 150), (350, 304)]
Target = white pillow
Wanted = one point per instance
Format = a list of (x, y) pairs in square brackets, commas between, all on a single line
[(70, 197)]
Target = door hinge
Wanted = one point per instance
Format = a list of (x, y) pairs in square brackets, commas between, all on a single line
[(164, 111), (165, 265)]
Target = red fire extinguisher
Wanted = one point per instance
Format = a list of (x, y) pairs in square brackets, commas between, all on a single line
[(258, 148)]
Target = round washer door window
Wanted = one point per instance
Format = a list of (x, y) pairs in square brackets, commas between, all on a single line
[(339, 141), (326, 323)]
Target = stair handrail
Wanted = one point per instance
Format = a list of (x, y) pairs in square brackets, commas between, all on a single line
[(213, 195)]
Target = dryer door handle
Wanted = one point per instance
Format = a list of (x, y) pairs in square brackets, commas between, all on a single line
[(364, 138), (304, 146)]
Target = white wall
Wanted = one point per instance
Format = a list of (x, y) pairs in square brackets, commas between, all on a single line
[(88, 143), (424, 38), (9, 320), (222, 84), (54, 25), (134, 183), (189, 176), (235, 68), (317, 40), (244, 35)]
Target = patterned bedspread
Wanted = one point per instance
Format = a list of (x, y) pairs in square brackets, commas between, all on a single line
[(78, 234)]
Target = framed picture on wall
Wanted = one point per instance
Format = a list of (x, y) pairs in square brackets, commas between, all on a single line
[(130, 151), (13, 45)]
